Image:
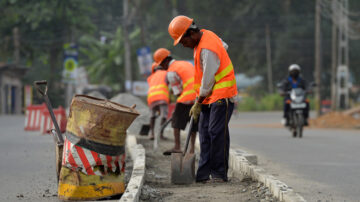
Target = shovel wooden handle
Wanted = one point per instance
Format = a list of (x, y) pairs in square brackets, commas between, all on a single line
[(42, 88), (189, 135)]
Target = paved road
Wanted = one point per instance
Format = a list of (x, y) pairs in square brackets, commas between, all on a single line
[(323, 165), (27, 165)]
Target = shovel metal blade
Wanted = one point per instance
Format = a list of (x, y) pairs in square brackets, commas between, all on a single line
[(182, 168)]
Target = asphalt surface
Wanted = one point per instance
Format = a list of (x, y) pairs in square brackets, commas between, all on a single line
[(324, 165), (27, 168)]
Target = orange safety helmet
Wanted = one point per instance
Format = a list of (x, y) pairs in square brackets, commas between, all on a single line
[(160, 54), (178, 27)]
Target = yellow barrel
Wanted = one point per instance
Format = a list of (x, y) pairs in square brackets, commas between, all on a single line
[(93, 164)]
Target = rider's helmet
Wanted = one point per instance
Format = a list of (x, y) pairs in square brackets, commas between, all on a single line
[(294, 70)]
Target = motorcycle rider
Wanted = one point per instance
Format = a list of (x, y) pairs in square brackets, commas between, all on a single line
[(294, 80)]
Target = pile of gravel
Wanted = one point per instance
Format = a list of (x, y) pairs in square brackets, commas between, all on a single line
[(128, 100), (96, 94), (149, 193)]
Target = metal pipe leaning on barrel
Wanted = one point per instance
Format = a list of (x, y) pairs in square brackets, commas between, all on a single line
[(42, 89)]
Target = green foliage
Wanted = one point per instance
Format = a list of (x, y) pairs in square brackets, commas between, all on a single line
[(46, 25), (312, 102), (104, 61), (247, 104), (270, 102)]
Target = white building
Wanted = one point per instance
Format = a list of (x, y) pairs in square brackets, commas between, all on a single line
[(11, 88)]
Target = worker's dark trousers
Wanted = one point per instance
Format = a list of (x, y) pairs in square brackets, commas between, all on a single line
[(214, 140)]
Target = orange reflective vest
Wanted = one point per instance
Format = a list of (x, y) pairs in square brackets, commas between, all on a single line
[(225, 83), (158, 90), (186, 72)]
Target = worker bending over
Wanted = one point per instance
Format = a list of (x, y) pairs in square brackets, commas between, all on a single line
[(158, 97), (181, 79)]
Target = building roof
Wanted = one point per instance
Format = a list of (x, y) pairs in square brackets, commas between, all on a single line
[(16, 70)]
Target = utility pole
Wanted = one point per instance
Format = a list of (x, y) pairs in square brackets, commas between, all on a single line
[(317, 73), (343, 57), (16, 46), (335, 12), (268, 59), (142, 29), (127, 46)]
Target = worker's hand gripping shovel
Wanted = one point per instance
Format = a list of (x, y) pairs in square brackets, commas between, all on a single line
[(183, 164), (42, 88)]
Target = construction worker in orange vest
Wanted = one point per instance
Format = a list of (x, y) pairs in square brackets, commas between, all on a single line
[(158, 97), (215, 88), (181, 79)]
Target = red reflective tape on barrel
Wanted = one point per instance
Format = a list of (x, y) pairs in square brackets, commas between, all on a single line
[(117, 162), (64, 152), (96, 158), (84, 160), (70, 156), (123, 163), (109, 160)]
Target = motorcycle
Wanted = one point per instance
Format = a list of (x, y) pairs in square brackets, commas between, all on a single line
[(296, 113), (298, 104)]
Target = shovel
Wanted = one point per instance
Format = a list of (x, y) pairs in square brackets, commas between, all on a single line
[(59, 141), (183, 164)]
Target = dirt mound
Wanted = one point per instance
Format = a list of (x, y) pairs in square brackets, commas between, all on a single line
[(128, 100), (335, 120), (96, 94)]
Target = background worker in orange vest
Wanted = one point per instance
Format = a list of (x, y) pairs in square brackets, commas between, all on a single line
[(158, 97), (181, 79), (215, 87)]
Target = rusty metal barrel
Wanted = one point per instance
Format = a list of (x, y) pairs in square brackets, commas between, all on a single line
[(93, 164)]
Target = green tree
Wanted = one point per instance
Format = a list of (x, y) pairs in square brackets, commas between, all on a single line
[(44, 28), (104, 59)]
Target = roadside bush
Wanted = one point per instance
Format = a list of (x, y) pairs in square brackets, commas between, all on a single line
[(247, 104), (312, 102), (270, 102)]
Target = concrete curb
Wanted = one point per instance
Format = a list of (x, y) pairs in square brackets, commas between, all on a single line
[(137, 153), (244, 164)]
